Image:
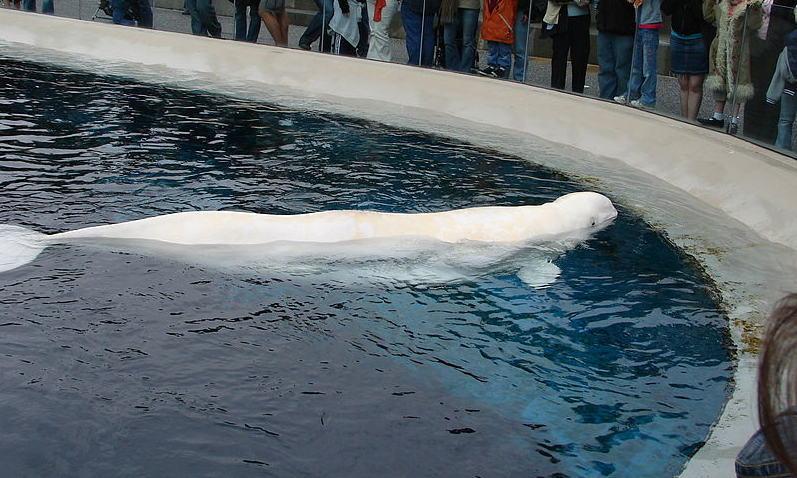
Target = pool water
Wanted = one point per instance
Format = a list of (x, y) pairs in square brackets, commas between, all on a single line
[(126, 363)]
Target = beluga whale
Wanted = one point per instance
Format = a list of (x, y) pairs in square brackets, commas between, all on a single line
[(460, 242)]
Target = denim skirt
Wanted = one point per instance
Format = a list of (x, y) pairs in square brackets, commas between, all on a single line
[(688, 57)]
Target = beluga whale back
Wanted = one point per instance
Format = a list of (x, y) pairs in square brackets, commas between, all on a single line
[(572, 216)]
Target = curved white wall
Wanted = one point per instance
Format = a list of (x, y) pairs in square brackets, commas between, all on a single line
[(726, 202)]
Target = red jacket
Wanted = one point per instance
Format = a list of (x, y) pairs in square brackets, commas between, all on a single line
[(498, 20)]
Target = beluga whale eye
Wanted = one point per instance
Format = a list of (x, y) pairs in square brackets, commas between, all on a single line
[(593, 222)]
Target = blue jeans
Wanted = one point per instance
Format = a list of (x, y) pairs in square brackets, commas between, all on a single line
[(241, 32), (756, 459), (203, 18), (642, 84), (318, 25), (461, 59), (614, 64), (141, 10), (788, 111), (520, 47), (420, 36), (47, 6), (499, 55)]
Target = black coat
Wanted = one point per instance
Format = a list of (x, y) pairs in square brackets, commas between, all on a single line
[(615, 16), (687, 15)]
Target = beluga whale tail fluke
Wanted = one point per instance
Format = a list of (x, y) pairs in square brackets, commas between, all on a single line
[(572, 217)]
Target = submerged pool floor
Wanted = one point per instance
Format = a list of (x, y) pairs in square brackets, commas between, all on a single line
[(126, 363)]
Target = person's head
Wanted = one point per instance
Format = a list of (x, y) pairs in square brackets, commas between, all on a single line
[(777, 383)]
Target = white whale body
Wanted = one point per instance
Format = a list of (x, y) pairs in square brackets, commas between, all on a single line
[(460, 237)]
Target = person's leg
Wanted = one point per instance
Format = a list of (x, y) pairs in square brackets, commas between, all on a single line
[(318, 26), (412, 28), (683, 93), (695, 96), (607, 73), (470, 22), (623, 53), (650, 67), (144, 14), (254, 22), (197, 28), (239, 20), (277, 25), (29, 5), (520, 47), (207, 15), (635, 78), (788, 110), (504, 60), (48, 7), (561, 48), (428, 39), (450, 30), (379, 38), (119, 8), (579, 51)]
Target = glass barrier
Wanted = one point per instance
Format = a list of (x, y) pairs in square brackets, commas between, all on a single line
[(709, 62)]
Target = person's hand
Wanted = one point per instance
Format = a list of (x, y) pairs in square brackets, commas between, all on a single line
[(636, 3), (524, 18)]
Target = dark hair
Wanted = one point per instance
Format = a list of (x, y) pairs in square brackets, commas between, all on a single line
[(777, 383)]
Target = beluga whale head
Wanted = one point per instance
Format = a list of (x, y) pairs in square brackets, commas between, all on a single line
[(584, 211)]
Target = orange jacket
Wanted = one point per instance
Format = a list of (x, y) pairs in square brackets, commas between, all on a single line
[(498, 20)]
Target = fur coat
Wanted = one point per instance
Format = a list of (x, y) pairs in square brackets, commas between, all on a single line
[(728, 61)]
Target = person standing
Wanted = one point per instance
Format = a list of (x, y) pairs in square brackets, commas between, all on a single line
[(141, 9), (464, 18), (616, 25), (729, 57), (203, 18), (318, 27), (418, 18), (498, 19), (275, 17), (520, 46), (644, 65), (380, 14), (242, 33), (570, 38), (688, 56), (47, 6)]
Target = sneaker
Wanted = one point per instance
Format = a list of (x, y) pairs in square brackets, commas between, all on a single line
[(639, 104), (304, 46), (500, 72), (733, 128), (621, 99), (711, 121), (490, 72)]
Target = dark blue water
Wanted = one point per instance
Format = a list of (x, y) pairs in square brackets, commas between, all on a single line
[(125, 364)]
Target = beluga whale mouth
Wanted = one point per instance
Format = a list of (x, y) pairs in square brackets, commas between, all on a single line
[(435, 247)]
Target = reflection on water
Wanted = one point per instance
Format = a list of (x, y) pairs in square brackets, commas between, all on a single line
[(117, 363)]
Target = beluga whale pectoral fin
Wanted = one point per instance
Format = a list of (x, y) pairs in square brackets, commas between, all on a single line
[(539, 274), (19, 246)]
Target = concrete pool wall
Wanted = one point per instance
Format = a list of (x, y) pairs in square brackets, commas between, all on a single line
[(725, 202)]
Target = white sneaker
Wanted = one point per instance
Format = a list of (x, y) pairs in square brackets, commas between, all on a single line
[(640, 105), (620, 99)]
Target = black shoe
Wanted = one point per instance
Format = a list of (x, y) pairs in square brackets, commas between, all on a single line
[(304, 46), (711, 121), (733, 128), (490, 72), (500, 72)]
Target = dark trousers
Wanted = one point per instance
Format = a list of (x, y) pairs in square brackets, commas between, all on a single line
[(574, 41)]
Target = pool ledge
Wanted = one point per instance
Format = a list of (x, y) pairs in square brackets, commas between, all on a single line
[(752, 189)]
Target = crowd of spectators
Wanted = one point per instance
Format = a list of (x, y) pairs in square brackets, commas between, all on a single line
[(738, 51)]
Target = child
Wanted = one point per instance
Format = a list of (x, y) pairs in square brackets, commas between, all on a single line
[(644, 71), (729, 56), (498, 18), (784, 87), (346, 27)]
